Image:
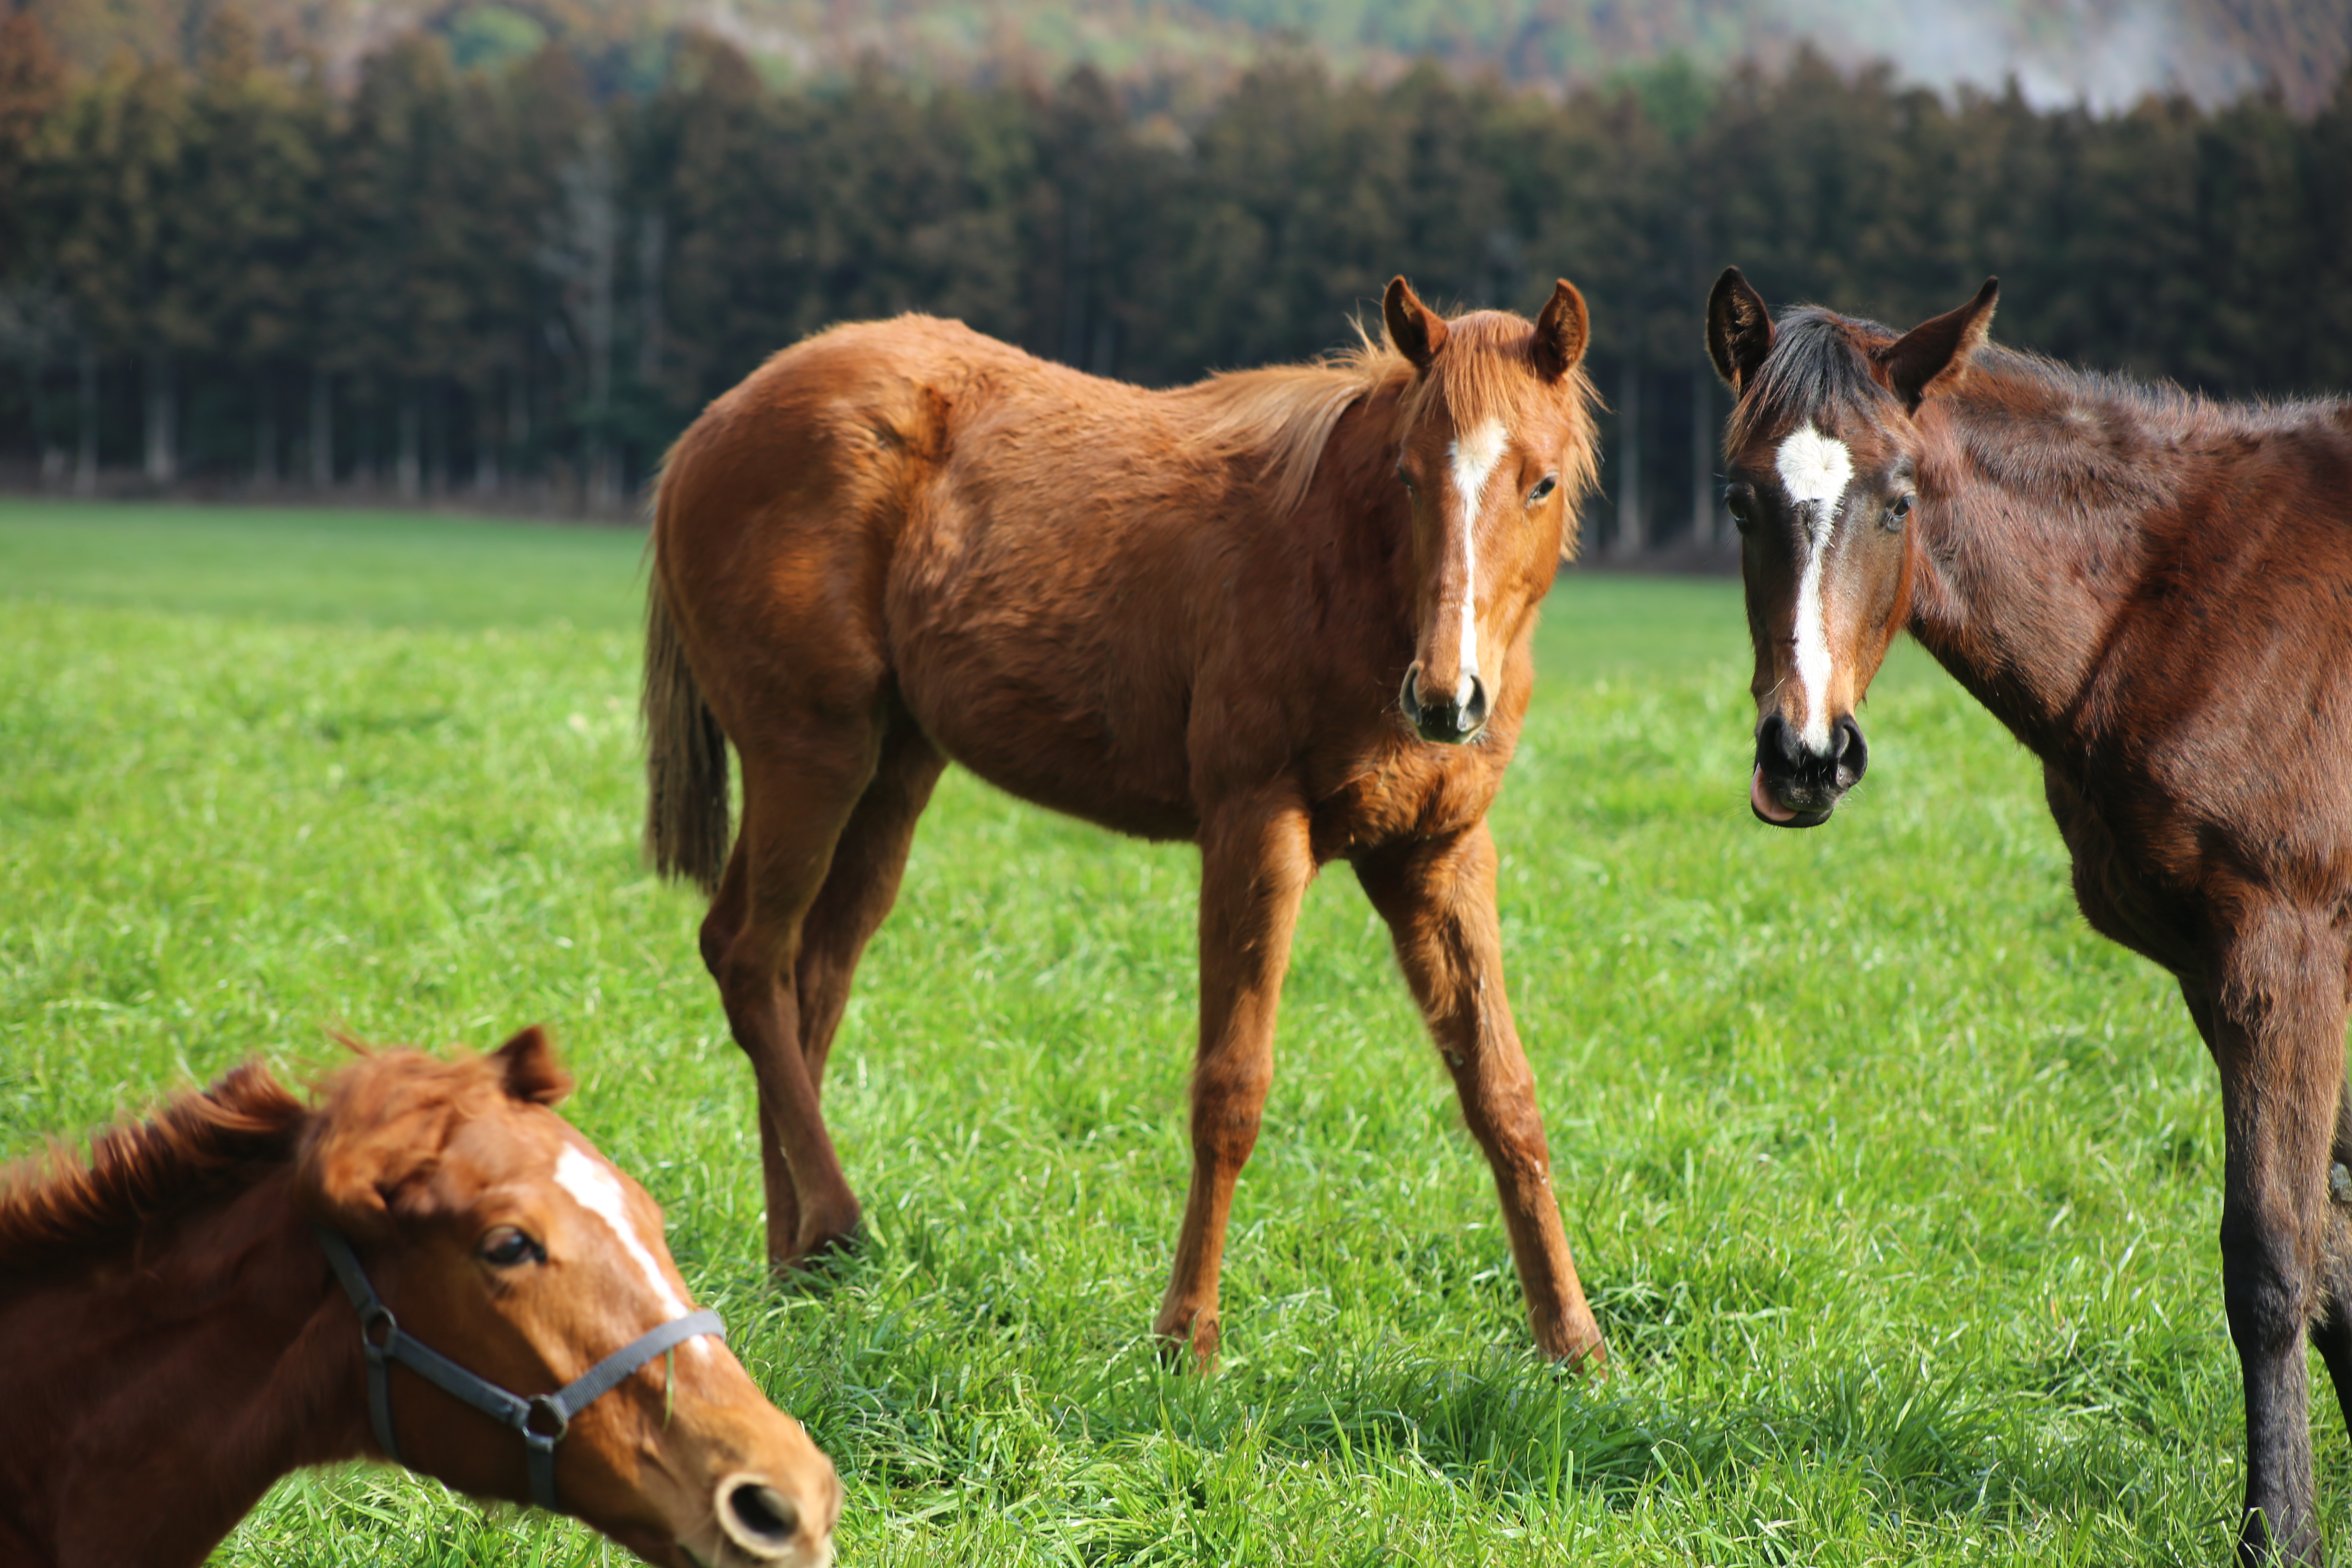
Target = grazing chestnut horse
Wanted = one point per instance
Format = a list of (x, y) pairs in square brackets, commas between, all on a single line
[(178, 1325), (2154, 592), (1284, 613)]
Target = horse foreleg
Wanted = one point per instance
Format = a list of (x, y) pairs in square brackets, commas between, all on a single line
[(1438, 898), (2272, 1013), (2332, 1331), (1256, 863)]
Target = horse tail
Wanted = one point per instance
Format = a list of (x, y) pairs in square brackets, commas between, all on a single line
[(686, 755)]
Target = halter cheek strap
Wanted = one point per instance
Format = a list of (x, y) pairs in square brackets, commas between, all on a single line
[(541, 1419)]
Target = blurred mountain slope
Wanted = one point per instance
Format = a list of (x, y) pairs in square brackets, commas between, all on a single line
[(2107, 53)]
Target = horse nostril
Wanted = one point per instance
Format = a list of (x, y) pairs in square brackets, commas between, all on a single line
[(763, 1512), (1474, 713), (1849, 751)]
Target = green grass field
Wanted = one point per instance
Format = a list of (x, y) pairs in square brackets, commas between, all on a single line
[(1895, 1188)]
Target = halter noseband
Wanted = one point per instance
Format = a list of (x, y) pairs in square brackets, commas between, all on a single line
[(541, 1418)]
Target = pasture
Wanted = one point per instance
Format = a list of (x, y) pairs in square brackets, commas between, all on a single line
[(1895, 1188)]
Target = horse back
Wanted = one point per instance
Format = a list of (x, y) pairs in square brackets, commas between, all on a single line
[(1021, 555)]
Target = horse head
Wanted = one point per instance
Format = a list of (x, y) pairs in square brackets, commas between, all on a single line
[(497, 1236), (1822, 464), (1495, 447)]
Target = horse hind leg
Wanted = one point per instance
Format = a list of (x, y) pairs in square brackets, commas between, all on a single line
[(861, 885), (798, 802), (720, 928)]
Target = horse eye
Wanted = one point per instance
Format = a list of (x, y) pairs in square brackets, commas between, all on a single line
[(506, 1247), (1548, 483), (1736, 503), (1898, 508), (1405, 479)]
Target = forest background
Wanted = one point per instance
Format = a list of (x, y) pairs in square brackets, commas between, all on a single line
[(499, 254)]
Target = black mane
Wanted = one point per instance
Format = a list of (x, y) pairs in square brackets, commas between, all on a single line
[(1814, 369)]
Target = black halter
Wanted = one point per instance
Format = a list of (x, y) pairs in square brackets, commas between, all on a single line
[(541, 1418)]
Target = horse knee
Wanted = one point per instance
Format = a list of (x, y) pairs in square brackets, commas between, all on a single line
[(716, 939), (2266, 1287), (752, 977)]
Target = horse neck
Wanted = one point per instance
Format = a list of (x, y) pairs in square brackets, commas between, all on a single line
[(1357, 513), (2042, 500), (188, 1366)]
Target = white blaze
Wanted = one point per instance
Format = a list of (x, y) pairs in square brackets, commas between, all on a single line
[(595, 1188), (1474, 455), (1814, 470)]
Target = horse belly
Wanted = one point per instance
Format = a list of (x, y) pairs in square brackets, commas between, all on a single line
[(1045, 718)]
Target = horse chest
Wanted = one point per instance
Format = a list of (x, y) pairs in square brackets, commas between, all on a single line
[(2120, 885), (1400, 793)]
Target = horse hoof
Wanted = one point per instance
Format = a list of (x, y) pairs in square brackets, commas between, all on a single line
[(822, 1259), (1182, 1349)]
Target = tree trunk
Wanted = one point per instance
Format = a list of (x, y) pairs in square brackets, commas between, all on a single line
[(1704, 501), (162, 422), (1076, 250), (36, 376), (264, 433), (436, 441), (406, 465), (485, 445), (86, 458), (1630, 537), (322, 430), (653, 236)]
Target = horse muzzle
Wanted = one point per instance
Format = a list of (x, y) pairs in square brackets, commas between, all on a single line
[(764, 1525), (1442, 721), (755, 1521), (1795, 786)]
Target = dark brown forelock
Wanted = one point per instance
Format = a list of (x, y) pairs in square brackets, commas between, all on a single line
[(1816, 373)]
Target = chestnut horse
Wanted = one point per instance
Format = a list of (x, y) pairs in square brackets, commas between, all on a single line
[(2154, 592), (177, 1318), (1285, 614)]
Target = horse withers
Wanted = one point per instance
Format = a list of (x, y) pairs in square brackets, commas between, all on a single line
[(1285, 614), (2151, 590), (429, 1264)]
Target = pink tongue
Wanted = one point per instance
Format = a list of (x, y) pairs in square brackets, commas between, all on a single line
[(1766, 806)]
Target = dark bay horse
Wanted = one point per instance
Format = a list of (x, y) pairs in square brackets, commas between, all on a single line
[(2154, 592), (177, 1325), (1285, 614)]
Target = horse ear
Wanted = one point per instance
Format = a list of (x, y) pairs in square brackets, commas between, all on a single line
[(1738, 330), (527, 1063), (1938, 349), (1561, 331), (1414, 330)]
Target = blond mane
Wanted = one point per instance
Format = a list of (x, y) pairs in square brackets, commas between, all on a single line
[(1283, 416)]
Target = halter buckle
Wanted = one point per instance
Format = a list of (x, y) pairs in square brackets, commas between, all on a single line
[(372, 1317), (551, 1406)]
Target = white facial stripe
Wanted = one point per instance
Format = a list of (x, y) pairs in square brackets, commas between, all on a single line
[(595, 1188), (1814, 470), (1475, 456)]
